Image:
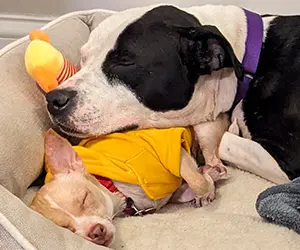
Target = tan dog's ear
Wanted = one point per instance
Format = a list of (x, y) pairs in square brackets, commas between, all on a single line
[(60, 156)]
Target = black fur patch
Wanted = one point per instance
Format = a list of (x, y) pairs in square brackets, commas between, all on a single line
[(127, 128), (161, 56), (272, 104)]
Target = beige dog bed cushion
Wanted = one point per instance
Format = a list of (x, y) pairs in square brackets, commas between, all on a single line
[(230, 222)]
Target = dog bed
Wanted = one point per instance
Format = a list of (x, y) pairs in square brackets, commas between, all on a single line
[(230, 222)]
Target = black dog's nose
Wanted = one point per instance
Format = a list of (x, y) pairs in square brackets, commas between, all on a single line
[(58, 100)]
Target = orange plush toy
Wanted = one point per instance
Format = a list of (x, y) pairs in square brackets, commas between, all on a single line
[(45, 64)]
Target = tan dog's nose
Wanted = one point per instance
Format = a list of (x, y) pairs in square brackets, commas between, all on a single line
[(97, 234)]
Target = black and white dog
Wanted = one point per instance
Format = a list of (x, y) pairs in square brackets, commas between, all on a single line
[(163, 66)]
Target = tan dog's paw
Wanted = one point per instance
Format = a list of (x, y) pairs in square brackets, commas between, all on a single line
[(204, 200), (218, 172)]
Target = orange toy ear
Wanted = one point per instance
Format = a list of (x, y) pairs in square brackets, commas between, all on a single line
[(39, 35)]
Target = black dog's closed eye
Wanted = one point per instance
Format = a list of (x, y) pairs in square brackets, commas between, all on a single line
[(121, 67), (123, 58), (125, 61)]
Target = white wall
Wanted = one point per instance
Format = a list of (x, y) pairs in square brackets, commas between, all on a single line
[(58, 7), (19, 17)]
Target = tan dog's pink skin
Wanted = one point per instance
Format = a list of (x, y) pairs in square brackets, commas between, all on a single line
[(75, 200)]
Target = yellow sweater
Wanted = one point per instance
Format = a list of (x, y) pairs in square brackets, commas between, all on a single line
[(149, 158)]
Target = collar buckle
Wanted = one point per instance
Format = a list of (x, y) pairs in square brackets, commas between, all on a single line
[(132, 210)]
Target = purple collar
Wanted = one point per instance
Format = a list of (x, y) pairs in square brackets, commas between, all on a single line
[(252, 52)]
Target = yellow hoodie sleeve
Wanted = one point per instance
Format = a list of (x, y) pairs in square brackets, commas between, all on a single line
[(167, 144)]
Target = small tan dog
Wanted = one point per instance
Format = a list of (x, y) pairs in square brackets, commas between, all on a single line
[(74, 199)]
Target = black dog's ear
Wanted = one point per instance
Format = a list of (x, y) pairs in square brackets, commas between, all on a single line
[(208, 49)]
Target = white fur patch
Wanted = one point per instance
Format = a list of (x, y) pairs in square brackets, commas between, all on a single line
[(238, 120), (250, 156), (54, 205), (141, 200), (266, 23)]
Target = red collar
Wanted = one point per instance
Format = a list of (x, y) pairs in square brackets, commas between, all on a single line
[(130, 209), (109, 184)]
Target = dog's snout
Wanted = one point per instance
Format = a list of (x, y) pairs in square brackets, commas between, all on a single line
[(97, 231), (59, 100), (97, 234)]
